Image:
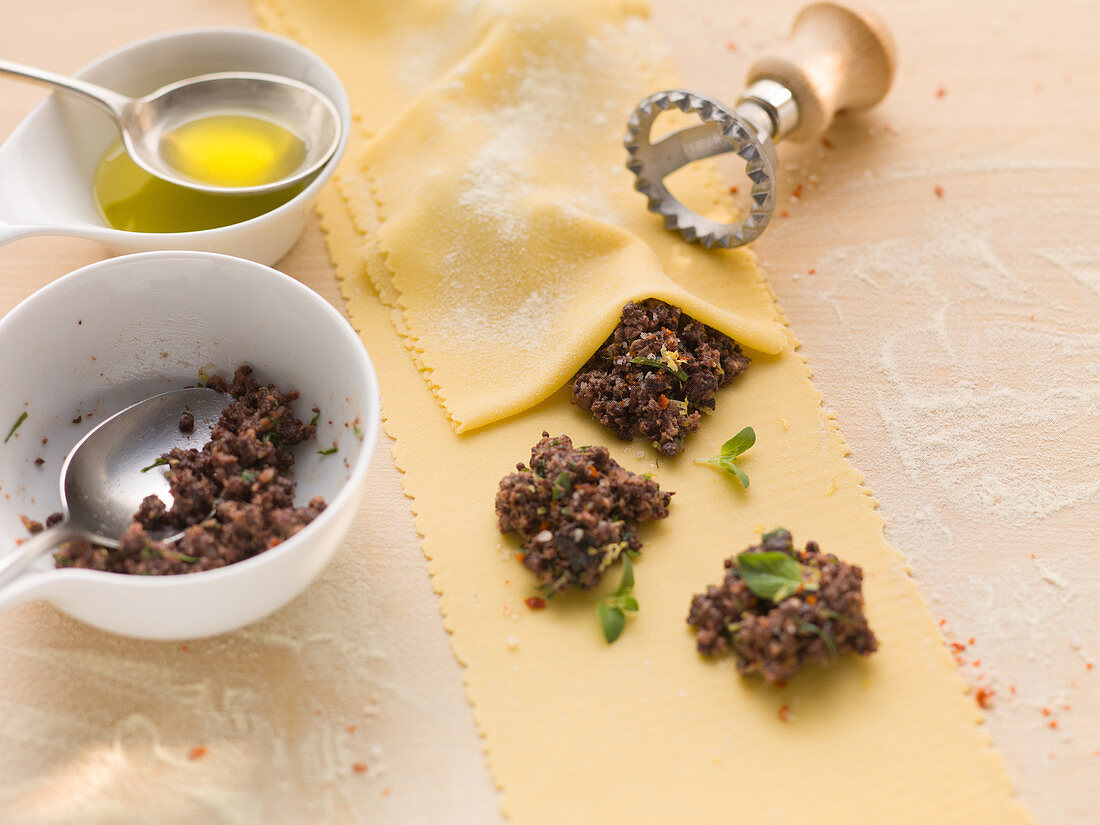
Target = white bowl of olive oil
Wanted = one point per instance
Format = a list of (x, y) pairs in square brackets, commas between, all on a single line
[(64, 170)]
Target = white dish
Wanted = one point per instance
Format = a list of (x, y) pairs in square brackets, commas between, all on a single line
[(118, 331), (48, 164)]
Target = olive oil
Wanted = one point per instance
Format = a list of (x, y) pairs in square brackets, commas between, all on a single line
[(224, 150), (233, 150)]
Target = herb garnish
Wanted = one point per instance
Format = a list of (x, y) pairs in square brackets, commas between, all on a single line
[(22, 417), (774, 575), (727, 459), (157, 463), (658, 364), (317, 417), (810, 627), (175, 554), (611, 610), (329, 451), (78, 419), (247, 476), (562, 485)]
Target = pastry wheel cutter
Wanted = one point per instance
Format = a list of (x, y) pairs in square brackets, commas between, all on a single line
[(835, 58)]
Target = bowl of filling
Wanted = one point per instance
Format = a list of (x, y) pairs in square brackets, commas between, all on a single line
[(261, 500), (65, 171)]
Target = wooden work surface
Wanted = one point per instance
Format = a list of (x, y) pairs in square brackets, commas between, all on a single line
[(938, 258)]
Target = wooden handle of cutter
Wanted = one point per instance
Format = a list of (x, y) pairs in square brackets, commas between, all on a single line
[(835, 58)]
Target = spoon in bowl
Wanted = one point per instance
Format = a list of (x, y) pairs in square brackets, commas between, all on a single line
[(148, 123), (110, 471)]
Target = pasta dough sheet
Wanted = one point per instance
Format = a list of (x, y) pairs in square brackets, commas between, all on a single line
[(643, 730), (511, 229)]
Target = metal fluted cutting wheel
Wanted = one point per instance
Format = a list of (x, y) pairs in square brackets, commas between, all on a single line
[(722, 130)]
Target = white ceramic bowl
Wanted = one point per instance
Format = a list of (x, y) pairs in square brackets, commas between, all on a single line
[(110, 334), (48, 164)]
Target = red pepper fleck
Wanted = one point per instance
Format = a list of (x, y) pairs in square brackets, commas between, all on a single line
[(185, 648), (780, 684), (784, 713), (359, 767), (1088, 665), (958, 647), (797, 193), (828, 144), (519, 557), (938, 190), (535, 602), (976, 662), (941, 91), (971, 640), (984, 697), (386, 791), (784, 214), (351, 728), (1012, 689), (811, 271), (943, 622), (733, 190), (19, 542), (1046, 711), (731, 45), (199, 751), (662, 401), (1053, 724)]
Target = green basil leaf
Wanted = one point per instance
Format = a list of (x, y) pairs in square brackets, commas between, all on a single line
[(160, 461), (740, 442), (628, 603), (626, 584), (22, 417), (772, 575), (730, 451), (658, 364), (561, 485), (612, 621), (810, 627)]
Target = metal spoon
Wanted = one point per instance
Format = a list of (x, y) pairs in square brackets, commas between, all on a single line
[(103, 480), (144, 121)]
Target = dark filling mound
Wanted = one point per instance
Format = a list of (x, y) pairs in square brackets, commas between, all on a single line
[(656, 373), (233, 499), (575, 510), (775, 639)]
